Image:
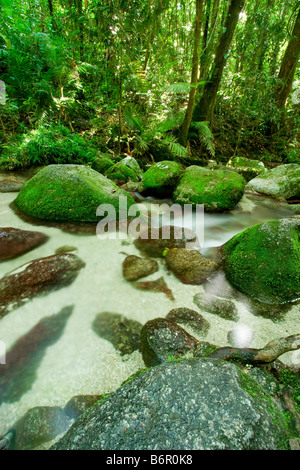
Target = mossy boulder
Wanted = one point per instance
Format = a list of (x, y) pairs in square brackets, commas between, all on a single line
[(161, 179), (218, 190), (247, 167), (282, 181), (127, 169), (263, 261), (102, 163), (68, 193)]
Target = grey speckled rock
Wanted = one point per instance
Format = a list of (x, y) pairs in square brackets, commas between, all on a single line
[(282, 181), (197, 404)]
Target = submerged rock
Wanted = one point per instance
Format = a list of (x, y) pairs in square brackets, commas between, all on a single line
[(189, 318), (162, 339), (15, 242), (189, 266), (135, 268), (224, 308), (246, 167), (161, 179), (282, 181), (39, 424), (263, 261), (36, 278), (154, 241), (217, 190), (10, 185), (121, 332), (196, 404), (79, 404), (69, 193), (158, 285), (23, 359)]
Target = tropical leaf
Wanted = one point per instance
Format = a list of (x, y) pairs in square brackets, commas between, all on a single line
[(205, 134)]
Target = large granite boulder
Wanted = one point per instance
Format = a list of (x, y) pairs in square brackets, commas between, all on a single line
[(282, 181), (69, 193), (196, 404), (217, 190)]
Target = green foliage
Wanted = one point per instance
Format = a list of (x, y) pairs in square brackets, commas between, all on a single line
[(47, 145), (206, 136), (154, 134)]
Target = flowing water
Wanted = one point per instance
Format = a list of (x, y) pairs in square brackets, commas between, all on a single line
[(78, 361)]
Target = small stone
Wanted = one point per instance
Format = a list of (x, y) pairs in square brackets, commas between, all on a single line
[(10, 185), (15, 242), (189, 266), (191, 318), (154, 241), (79, 404), (162, 339), (159, 285), (135, 267), (222, 307), (36, 278), (38, 425), (121, 332), (65, 249)]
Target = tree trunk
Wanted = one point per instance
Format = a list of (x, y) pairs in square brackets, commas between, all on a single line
[(289, 65), (195, 67), (205, 108), (208, 45)]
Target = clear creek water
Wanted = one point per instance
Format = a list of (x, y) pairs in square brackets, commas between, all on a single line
[(80, 362)]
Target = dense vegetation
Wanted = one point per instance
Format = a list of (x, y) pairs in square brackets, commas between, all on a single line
[(159, 79)]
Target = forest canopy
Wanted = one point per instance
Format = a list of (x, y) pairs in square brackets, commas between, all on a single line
[(160, 79)]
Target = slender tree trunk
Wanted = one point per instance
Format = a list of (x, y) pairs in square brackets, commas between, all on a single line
[(205, 108), (289, 65), (209, 44), (195, 68), (80, 26)]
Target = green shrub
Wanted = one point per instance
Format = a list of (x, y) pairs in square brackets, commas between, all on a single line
[(49, 144)]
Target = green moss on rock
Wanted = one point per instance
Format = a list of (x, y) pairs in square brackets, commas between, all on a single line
[(218, 190), (162, 178), (263, 261), (68, 193), (246, 167)]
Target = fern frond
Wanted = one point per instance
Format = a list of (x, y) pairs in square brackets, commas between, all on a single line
[(180, 88), (177, 149), (132, 119), (205, 134), (170, 123)]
